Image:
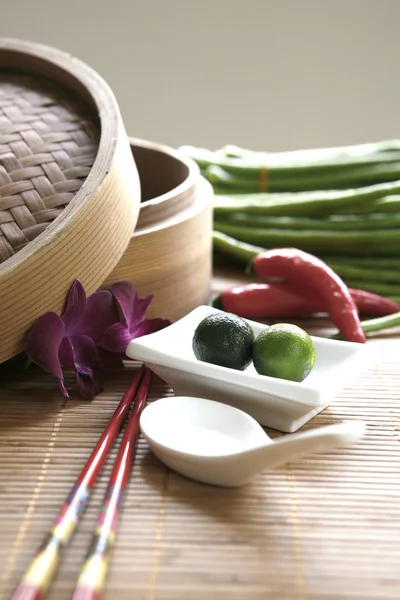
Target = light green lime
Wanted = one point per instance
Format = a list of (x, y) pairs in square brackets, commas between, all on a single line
[(284, 351)]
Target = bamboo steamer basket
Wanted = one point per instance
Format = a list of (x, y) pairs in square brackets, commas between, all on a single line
[(63, 215), (170, 251)]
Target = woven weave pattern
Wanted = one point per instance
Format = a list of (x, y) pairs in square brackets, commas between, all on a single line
[(48, 144), (325, 527)]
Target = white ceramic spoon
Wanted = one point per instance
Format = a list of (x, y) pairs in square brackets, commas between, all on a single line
[(221, 445)]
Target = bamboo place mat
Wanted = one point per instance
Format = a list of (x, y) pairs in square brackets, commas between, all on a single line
[(323, 527)]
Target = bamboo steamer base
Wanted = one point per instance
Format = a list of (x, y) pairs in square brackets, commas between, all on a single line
[(172, 260), (170, 252)]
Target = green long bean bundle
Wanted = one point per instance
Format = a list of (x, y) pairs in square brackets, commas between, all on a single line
[(342, 204)]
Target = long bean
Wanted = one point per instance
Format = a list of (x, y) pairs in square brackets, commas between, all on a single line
[(390, 290), (317, 154), (390, 204), (310, 203), (384, 262), (332, 222), (355, 242), (242, 250), (378, 324), (254, 203), (291, 180), (349, 271), (235, 248)]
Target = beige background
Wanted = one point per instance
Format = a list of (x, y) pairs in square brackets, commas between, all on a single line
[(263, 74)]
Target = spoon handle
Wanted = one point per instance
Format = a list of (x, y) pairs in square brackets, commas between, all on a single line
[(286, 448), (319, 439)]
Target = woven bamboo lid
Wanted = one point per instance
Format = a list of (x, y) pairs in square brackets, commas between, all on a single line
[(69, 188), (48, 144)]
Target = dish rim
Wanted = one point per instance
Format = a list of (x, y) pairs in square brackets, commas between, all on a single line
[(300, 392)]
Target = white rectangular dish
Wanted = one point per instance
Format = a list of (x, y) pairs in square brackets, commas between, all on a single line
[(277, 403)]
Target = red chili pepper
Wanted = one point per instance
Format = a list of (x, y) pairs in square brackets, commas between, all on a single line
[(273, 300), (265, 301), (373, 304), (366, 302), (302, 268)]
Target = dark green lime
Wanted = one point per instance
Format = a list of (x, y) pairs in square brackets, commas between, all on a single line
[(224, 339)]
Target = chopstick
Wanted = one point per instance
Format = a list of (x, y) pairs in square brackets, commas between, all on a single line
[(93, 573), (43, 567)]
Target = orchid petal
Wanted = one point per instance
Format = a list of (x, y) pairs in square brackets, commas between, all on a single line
[(63, 388), (85, 353), (43, 343), (65, 354), (116, 338), (89, 385), (76, 302), (125, 295), (139, 309), (132, 306), (89, 373), (148, 326), (99, 314)]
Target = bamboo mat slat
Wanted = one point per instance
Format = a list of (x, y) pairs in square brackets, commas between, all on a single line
[(325, 527)]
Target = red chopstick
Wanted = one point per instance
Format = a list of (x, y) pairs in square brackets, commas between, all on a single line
[(93, 573), (43, 567)]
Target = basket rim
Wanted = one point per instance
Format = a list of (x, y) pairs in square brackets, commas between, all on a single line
[(85, 82), (187, 183), (177, 198)]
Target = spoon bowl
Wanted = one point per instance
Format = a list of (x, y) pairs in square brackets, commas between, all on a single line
[(221, 445)]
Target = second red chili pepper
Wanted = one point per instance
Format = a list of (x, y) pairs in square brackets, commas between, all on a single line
[(314, 276), (273, 300)]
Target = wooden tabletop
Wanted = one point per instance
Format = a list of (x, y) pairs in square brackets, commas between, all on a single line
[(325, 527)]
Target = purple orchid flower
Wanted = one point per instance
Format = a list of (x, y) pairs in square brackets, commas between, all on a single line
[(132, 324), (92, 334), (70, 341)]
